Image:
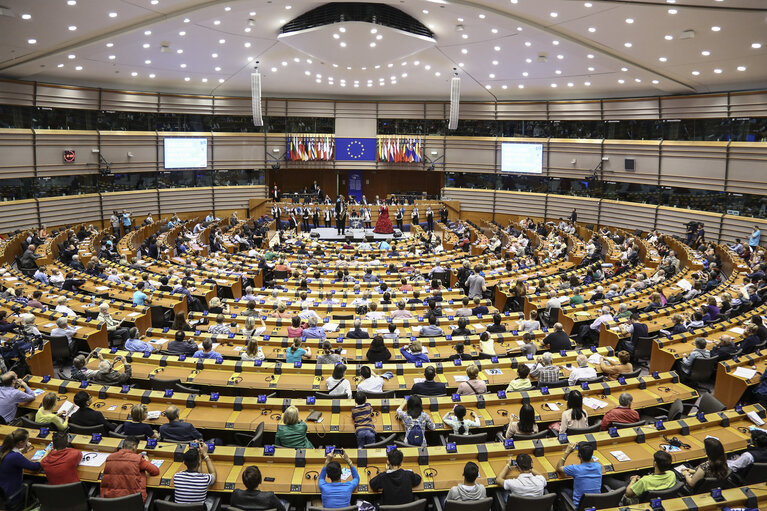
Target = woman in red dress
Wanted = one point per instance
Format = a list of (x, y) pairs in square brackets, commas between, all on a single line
[(383, 224)]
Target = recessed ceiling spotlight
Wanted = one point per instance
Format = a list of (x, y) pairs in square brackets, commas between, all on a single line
[(528, 44), (78, 68), (71, 56), (308, 61), (695, 73), (343, 44), (274, 70), (112, 14), (426, 67), (183, 66), (404, 63), (663, 59), (570, 84), (621, 81), (558, 71), (342, 29), (72, 28), (336, 36), (437, 73), (756, 46), (373, 30), (668, 37), (147, 32), (716, 28), (147, 62), (288, 7), (587, 4), (465, 36), (637, 80), (182, 33), (590, 56), (705, 53), (221, 41), (31, 41), (134, 73), (529, 60), (553, 85), (519, 29), (460, 64), (252, 13), (247, 44), (488, 86), (655, 82), (145, 45), (425, 11), (214, 55), (204, 80), (247, 29), (555, 42), (71, 2), (186, 78), (187, 20), (525, 73), (718, 71), (307, 72), (592, 29), (415, 63), (404, 75), (495, 62), (464, 51), (672, 11), (629, 20), (390, 65), (497, 48), (152, 75), (179, 51), (60, 65), (109, 45), (587, 84), (741, 68), (624, 69), (553, 14), (504, 86), (560, 57), (520, 86), (460, 20), (482, 16), (494, 30), (379, 37), (628, 45), (216, 22), (227, 8), (220, 80), (154, 2), (591, 68), (112, 57), (492, 75)]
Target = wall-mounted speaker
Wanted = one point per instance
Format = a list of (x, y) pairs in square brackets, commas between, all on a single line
[(255, 90), (629, 164), (455, 100)]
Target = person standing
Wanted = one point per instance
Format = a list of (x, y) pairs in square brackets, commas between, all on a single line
[(327, 217), (340, 215), (574, 216), (305, 214), (399, 217), (429, 219), (316, 217), (127, 221), (366, 219), (414, 218), (756, 236)]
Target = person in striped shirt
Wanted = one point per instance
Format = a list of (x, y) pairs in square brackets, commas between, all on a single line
[(544, 370), (191, 485), (362, 414)]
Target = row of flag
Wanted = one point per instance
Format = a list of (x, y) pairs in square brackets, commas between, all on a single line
[(400, 150), (310, 148)]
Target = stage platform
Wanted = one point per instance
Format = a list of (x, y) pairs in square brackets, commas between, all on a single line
[(331, 234)]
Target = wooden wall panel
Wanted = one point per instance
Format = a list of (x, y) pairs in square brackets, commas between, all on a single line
[(699, 165), (182, 103), (747, 165), (19, 214), (60, 96), (438, 110), (674, 221), (638, 108), (275, 107), (471, 200), (748, 104), (519, 203), (523, 110), (185, 199), (138, 202), (645, 154), (130, 101), (14, 92), (475, 111), (562, 152), (627, 215), (403, 110), (18, 154), (355, 110), (560, 206), (145, 146), (50, 152), (575, 110), (236, 197), (694, 107), (70, 210), (310, 108), (466, 154), (240, 150), (232, 106), (741, 227)]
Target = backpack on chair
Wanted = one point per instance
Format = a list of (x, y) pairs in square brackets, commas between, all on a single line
[(415, 436)]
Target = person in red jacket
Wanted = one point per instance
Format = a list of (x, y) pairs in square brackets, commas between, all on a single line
[(60, 465), (124, 471), (622, 413)]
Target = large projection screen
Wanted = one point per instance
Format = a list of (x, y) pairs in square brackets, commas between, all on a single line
[(185, 153), (522, 158)]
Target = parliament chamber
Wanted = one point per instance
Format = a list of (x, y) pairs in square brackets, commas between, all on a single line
[(426, 255)]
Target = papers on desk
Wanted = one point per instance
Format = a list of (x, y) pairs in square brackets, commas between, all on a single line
[(69, 407), (461, 377), (583, 313), (331, 327), (38, 392), (594, 404), (112, 408), (38, 455), (754, 417), (684, 284), (158, 341), (93, 459), (680, 469), (154, 414), (157, 463), (346, 473), (134, 314), (595, 359), (101, 288), (419, 380), (493, 371), (521, 343), (744, 372), (11, 279), (620, 456), (553, 406), (415, 329), (737, 330), (238, 348), (49, 325)]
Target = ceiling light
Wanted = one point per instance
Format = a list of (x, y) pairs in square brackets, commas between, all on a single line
[(525, 73), (247, 45), (629, 20), (504, 86), (247, 29), (437, 73), (112, 57), (147, 62), (592, 29), (152, 75), (668, 37), (288, 7), (308, 61), (342, 29), (558, 71), (695, 73), (555, 42), (528, 44), (716, 28), (655, 82), (186, 78), (570, 84), (520, 86), (204, 80), (404, 63), (379, 37), (590, 56), (109, 45), (482, 16), (112, 14), (154, 2), (307, 72), (147, 32), (179, 51), (756, 46), (492, 75), (460, 20), (425, 11), (252, 13), (183, 66), (705, 53), (460, 64), (390, 65), (134, 73), (72, 28), (628, 45), (145, 45), (343, 44), (560, 57), (741, 68), (672, 11), (60, 65), (336, 36), (591, 68), (637, 80), (284, 63), (221, 41), (227, 8), (624, 69), (274, 70), (71, 56), (216, 22), (373, 30), (465, 36), (497, 48), (336, 65), (71, 2), (415, 63), (495, 62), (663, 59), (78, 68), (488, 86), (587, 84), (553, 14), (404, 75), (529, 61), (464, 51), (718, 71), (621, 81), (587, 4), (494, 30), (187, 20), (214, 55), (32, 41), (554, 85), (182, 33), (519, 29)]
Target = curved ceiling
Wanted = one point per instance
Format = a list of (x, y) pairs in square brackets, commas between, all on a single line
[(503, 49)]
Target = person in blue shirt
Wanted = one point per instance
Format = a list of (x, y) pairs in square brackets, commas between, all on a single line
[(12, 466), (207, 352), (414, 352), (134, 343), (587, 475), (40, 275), (337, 493), (756, 236), (296, 352), (139, 297), (126, 222)]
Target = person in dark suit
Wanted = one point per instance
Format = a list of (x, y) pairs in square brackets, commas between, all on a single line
[(316, 217), (399, 217), (558, 340), (292, 222), (637, 330), (340, 215), (275, 194), (429, 387), (305, 215)]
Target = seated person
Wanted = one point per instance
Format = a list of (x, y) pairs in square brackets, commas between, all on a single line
[(522, 381), (612, 370), (663, 477), (207, 351), (337, 493), (395, 484), (46, 414), (86, 416), (135, 344), (431, 330), (176, 429), (251, 498), (587, 475), (582, 371), (180, 345), (528, 483), (135, 426), (621, 413), (700, 351), (496, 327), (429, 387), (456, 419), (468, 490), (525, 425), (291, 432), (459, 353), (414, 352)]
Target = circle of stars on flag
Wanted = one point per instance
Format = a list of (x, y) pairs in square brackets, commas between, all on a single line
[(359, 147)]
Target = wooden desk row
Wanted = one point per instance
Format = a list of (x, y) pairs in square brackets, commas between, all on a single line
[(729, 386), (293, 470)]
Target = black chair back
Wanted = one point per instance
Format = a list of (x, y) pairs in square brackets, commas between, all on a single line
[(416, 505), (60, 351), (623, 425), (132, 502), (602, 500), (166, 505), (86, 430), (709, 404), (703, 369), (542, 503), (389, 394), (476, 438), (61, 497), (670, 493), (582, 431), (469, 505), (756, 474), (161, 384), (643, 348), (633, 374), (533, 436)]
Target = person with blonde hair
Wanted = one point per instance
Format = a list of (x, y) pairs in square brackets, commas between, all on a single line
[(252, 351), (473, 385), (46, 414), (281, 311), (135, 426), (292, 431)]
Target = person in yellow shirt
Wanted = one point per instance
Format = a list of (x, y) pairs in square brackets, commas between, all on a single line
[(47, 415)]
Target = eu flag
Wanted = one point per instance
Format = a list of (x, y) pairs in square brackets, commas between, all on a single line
[(356, 149)]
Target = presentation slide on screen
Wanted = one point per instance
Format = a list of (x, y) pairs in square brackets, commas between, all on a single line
[(186, 153), (526, 158)]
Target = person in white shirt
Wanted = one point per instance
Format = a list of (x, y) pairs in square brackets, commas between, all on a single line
[(374, 313), (305, 313), (605, 316), (114, 277), (370, 382), (56, 278), (248, 296), (337, 384), (582, 372), (63, 309), (361, 300), (553, 302), (528, 483), (63, 330)]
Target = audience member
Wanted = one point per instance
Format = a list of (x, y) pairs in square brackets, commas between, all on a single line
[(468, 490), (60, 464), (124, 471), (395, 484), (337, 493), (292, 431)]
